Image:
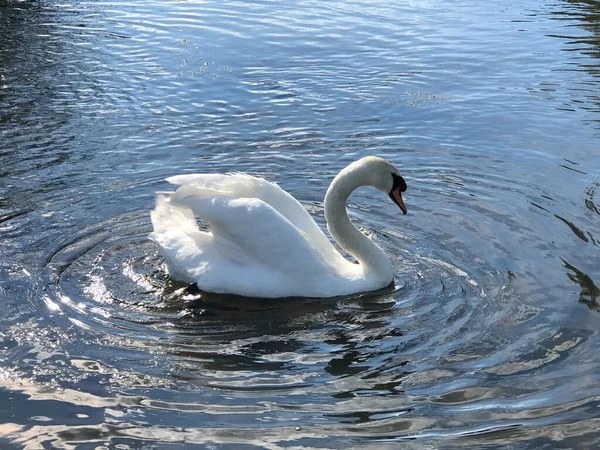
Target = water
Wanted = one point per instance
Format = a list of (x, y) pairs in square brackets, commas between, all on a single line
[(489, 336)]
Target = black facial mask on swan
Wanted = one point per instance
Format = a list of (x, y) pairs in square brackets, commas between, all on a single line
[(395, 194)]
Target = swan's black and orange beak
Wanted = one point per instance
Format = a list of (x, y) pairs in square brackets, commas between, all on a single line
[(396, 192)]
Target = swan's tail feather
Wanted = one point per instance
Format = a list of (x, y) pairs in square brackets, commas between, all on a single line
[(185, 193), (167, 216), (176, 232), (234, 184), (212, 180)]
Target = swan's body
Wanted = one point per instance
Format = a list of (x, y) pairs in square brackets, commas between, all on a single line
[(263, 243)]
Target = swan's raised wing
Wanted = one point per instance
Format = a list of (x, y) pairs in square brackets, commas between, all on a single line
[(259, 233), (243, 186)]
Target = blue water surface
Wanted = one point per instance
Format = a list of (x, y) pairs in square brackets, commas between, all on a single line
[(489, 337)]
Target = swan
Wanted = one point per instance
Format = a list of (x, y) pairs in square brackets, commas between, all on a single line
[(263, 243)]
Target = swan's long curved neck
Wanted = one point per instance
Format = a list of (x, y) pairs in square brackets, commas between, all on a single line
[(369, 255)]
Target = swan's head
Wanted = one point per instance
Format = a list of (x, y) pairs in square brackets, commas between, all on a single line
[(369, 171), (383, 175)]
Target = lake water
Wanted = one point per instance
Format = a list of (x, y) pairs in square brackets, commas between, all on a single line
[(491, 110)]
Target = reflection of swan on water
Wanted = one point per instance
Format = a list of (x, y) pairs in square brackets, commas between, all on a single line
[(263, 243)]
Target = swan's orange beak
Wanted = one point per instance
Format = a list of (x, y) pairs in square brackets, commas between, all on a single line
[(396, 196)]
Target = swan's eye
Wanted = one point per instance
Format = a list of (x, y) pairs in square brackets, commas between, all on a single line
[(399, 183)]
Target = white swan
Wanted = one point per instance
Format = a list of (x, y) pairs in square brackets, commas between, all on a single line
[(263, 243)]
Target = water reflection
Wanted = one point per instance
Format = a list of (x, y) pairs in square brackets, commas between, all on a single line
[(591, 203), (583, 41), (584, 46), (589, 291), (588, 13), (33, 72)]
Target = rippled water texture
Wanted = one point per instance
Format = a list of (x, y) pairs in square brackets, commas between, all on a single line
[(489, 336)]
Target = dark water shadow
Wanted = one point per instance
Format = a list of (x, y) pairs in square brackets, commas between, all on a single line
[(589, 291), (214, 303)]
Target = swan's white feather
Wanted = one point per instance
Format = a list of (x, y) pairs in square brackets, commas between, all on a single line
[(240, 185), (249, 239)]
